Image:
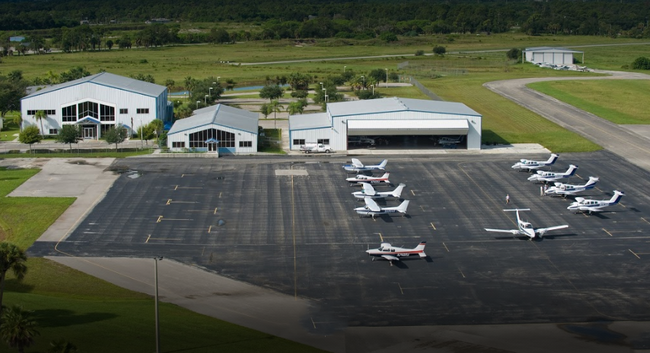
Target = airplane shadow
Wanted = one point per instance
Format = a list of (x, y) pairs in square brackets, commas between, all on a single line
[(538, 239), (553, 236)]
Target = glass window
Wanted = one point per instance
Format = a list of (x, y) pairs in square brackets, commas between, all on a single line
[(107, 113), (324, 141), (54, 132), (142, 110), (245, 143), (106, 127), (180, 144), (90, 109), (299, 141), (124, 111), (225, 138), (69, 113)]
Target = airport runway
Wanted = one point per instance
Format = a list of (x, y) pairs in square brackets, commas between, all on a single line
[(288, 224)]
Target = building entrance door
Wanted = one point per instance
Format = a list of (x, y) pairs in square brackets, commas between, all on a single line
[(212, 147), (89, 133)]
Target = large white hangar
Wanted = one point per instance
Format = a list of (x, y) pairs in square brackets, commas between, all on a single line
[(549, 55), (97, 103), (218, 128), (413, 123)]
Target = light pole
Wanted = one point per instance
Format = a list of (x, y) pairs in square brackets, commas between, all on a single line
[(210, 92), (218, 77), (205, 100), (197, 104), (325, 97), (386, 77), (156, 259), (344, 66), (364, 81)]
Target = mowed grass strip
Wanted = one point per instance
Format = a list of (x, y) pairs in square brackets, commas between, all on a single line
[(98, 316), (619, 101)]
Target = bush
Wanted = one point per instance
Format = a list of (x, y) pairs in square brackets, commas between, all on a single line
[(419, 53), (641, 63), (439, 50), (514, 54)]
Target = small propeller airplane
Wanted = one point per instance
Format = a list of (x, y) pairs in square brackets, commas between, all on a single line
[(589, 205), (546, 177), (357, 166), (369, 191), (372, 209), (360, 178), (530, 165), (525, 228), (561, 189), (393, 253)]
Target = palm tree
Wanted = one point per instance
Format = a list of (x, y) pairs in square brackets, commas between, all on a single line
[(11, 258), (62, 346), (297, 107), (40, 116), (275, 107), (17, 329)]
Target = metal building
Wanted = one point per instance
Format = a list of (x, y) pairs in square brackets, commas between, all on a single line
[(344, 122), (549, 55), (96, 103), (218, 128)]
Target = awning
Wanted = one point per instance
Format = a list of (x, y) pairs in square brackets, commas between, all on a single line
[(407, 127), (211, 140), (88, 120)]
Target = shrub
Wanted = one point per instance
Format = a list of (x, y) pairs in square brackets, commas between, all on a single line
[(513, 54), (439, 50), (419, 53), (641, 63)]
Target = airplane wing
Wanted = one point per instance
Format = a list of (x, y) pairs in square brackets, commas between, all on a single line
[(357, 163), (368, 189), (580, 199), (511, 231), (371, 204), (390, 257), (544, 230)]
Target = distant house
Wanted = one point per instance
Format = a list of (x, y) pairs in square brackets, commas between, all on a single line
[(157, 20), (550, 55), (17, 39)]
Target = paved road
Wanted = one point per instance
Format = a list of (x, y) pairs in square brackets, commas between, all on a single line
[(615, 138)]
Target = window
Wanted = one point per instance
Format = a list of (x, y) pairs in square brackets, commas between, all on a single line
[(324, 141), (245, 143), (106, 113), (31, 112), (54, 132), (124, 111), (50, 112), (225, 138), (105, 127), (69, 113), (90, 109), (142, 110), (299, 141), (180, 144)]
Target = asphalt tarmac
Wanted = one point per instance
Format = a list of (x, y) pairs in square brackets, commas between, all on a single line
[(287, 224)]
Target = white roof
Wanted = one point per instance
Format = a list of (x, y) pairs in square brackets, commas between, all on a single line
[(552, 49), (443, 124), (309, 121), (394, 104), (219, 114), (110, 80)]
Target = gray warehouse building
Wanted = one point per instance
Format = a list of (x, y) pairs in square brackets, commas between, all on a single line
[(389, 118), (549, 55)]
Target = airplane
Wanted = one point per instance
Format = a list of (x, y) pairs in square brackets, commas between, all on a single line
[(589, 205), (357, 166), (393, 253), (369, 191), (372, 209), (525, 228), (360, 178), (543, 176), (562, 189), (530, 165)]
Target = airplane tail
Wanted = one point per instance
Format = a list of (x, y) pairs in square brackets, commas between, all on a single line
[(383, 163), (421, 247), (551, 160), (403, 206), (397, 193), (572, 170), (516, 210), (618, 195), (385, 176), (592, 181)]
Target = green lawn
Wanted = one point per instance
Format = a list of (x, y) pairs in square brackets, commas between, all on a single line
[(608, 99), (98, 316)]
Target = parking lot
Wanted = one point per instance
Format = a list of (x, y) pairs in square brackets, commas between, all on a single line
[(288, 224)]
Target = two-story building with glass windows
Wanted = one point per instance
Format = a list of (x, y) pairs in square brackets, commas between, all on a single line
[(96, 103)]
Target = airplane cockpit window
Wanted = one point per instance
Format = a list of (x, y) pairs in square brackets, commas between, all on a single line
[(528, 225)]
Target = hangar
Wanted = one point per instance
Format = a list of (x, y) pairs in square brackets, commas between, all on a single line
[(405, 122), (96, 103), (218, 128), (549, 55)]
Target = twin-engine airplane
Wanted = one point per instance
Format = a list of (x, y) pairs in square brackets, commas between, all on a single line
[(369, 191), (525, 228), (562, 189), (372, 209), (589, 205), (360, 178), (357, 166), (546, 177), (526, 164), (393, 253)]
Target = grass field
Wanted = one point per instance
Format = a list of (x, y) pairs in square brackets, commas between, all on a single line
[(95, 315), (608, 99)]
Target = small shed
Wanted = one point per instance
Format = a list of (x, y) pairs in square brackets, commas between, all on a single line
[(550, 55)]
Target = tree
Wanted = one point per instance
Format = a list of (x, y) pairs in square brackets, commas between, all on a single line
[(439, 50), (115, 135), (300, 94), (297, 107), (265, 109), (388, 37), (62, 346), (11, 91), (68, 134), (40, 116), (513, 54), (11, 258), (109, 44), (641, 63), (271, 92), (17, 329), (230, 84), (30, 135)]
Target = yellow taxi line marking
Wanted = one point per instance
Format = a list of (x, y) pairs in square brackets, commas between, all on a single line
[(633, 253), (215, 210), (380, 237), (645, 220), (461, 272), (209, 229), (312, 321), (400, 288), (605, 230), (422, 207), (149, 237), (622, 205), (445, 245), (176, 188), (169, 202), (220, 194), (432, 226), (159, 219), (412, 192)]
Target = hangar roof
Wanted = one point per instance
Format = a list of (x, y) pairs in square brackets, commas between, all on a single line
[(309, 121), (395, 104), (219, 114), (110, 80), (552, 49)]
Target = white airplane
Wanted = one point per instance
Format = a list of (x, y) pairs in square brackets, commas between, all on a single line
[(393, 253), (357, 166), (360, 178), (525, 228), (562, 189), (372, 209), (587, 205), (529, 165), (369, 191), (543, 176)]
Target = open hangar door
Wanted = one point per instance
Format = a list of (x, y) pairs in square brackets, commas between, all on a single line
[(407, 134)]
